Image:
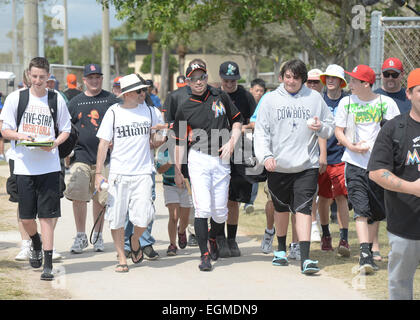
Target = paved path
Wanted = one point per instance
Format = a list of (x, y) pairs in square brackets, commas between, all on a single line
[(91, 275)]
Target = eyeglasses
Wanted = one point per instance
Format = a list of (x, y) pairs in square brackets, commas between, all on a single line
[(196, 78), (314, 81), (394, 75), (138, 91)]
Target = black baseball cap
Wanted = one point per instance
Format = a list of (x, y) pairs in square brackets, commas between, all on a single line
[(92, 68), (193, 67), (229, 70)]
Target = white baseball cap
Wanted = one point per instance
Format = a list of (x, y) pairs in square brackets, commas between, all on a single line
[(334, 70)]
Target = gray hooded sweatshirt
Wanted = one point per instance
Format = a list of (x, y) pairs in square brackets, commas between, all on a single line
[(281, 130)]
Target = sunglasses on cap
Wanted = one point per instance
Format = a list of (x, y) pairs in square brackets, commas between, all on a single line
[(387, 74), (138, 91), (196, 78)]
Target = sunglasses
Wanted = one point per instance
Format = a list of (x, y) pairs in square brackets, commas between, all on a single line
[(394, 75), (314, 81), (141, 90), (196, 78)]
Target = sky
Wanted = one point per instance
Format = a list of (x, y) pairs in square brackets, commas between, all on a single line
[(84, 19)]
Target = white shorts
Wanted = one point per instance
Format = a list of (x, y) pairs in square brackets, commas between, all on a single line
[(173, 194), (132, 194), (210, 180)]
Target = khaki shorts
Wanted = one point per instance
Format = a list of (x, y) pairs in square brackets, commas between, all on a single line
[(80, 183), (267, 192)]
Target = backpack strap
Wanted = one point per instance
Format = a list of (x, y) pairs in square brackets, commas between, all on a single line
[(52, 104), (23, 103), (399, 142)]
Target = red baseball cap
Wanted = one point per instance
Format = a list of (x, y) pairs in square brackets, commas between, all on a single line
[(393, 64), (363, 73), (413, 79)]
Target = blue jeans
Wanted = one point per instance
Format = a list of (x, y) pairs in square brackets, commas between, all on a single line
[(146, 238)]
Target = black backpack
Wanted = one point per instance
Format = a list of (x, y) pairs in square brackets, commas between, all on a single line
[(67, 146)]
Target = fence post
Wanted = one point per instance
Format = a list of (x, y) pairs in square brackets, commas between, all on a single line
[(376, 45)]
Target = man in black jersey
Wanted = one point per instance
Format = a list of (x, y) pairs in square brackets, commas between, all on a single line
[(203, 121), (240, 188)]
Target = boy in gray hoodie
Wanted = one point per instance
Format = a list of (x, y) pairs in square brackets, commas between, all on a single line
[(289, 121)]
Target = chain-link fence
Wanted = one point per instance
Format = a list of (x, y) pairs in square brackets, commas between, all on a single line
[(394, 37)]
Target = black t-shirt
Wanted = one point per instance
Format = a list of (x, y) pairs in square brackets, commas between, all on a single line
[(173, 100), (87, 114), (244, 101), (399, 97), (402, 210), (202, 114), (71, 93)]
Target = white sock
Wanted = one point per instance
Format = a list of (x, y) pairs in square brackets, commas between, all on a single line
[(271, 231)]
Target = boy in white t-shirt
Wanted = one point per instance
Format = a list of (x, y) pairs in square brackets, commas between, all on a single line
[(37, 169), (358, 120), (129, 126)]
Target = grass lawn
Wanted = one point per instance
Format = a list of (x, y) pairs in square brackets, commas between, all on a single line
[(374, 286)]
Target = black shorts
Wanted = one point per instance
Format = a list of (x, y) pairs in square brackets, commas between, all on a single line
[(11, 185), (39, 195), (366, 197), (293, 192), (240, 189)]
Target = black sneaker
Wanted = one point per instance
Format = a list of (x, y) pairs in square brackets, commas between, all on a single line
[(213, 249), (233, 247), (47, 274), (366, 263), (192, 241), (150, 253), (205, 264), (222, 244), (35, 257)]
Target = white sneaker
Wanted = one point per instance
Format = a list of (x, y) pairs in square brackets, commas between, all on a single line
[(267, 242), (80, 242), (23, 255), (294, 251), (56, 256), (315, 235), (99, 244)]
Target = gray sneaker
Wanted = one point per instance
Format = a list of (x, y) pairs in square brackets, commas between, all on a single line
[(99, 244), (80, 243), (267, 242)]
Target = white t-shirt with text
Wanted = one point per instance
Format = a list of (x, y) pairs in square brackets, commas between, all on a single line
[(37, 122), (130, 129), (362, 119)]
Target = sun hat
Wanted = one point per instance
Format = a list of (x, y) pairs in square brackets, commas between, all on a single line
[(413, 79), (131, 83), (363, 73), (334, 70)]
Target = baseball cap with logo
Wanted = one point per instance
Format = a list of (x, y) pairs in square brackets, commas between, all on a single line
[(52, 78), (92, 68), (393, 64), (71, 81), (193, 67), (413, 79), (180, 81), (229, 70), (363, 73), (314, 74)]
